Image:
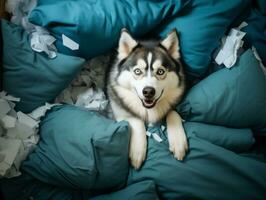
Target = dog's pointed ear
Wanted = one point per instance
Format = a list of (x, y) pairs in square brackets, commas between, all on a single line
[(171, 43), (126, 44)]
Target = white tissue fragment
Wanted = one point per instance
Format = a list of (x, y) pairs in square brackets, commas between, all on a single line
[(40, 38), (92, 99), (40, 112), (41, 41), (157, 137), (69, 43), (148, 133), (18, 134), (9, 149), (228, 53), (86, 90), (4, 108)]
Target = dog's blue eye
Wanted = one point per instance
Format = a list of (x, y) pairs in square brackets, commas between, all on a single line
[(137, 71), (160, 72)]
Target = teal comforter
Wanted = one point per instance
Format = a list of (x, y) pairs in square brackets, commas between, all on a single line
[(83, 155)]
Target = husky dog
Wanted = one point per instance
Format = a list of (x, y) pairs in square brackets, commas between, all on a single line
[(144, 84)]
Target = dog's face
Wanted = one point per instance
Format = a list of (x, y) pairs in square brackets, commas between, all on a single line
[(150, 72)]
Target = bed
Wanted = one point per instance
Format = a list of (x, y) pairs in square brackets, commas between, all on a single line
[(82, 153)]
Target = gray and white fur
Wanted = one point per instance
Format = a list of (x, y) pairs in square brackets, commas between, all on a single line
[(144, 84)]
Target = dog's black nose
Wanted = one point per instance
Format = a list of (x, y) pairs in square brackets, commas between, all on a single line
[(148, 92)]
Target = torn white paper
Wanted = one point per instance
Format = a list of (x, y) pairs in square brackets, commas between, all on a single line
[(67, 42), (228, 53), (148, 133), (25, 119), (41, 111), (40, 39), (4, 108), (92, 99), (242, 25), (2, 157), (8, 122), (18, 134), (2, 131), (86, 90), (157, 137), (9, 148)]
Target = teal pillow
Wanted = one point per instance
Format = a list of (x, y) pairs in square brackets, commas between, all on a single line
[(143, 190), (33, 77), (208, 171), (80, 149), (201, 25), (256, 32), (95, 25), (261, 4), (237, 140), (233, 97), (25, 187)]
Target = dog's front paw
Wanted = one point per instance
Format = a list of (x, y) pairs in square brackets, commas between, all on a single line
[(137, 151), (178, 144), (176, 135)]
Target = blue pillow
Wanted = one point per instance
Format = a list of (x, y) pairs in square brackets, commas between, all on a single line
[(95, 25), (208, 171), (143, 190), (233, 97), (80, 149), (201, 25), (33, 77), (256, 33)]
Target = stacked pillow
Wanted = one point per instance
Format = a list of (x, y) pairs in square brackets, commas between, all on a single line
[(32, 76), (233, 97), (80, 149), (96, 25)]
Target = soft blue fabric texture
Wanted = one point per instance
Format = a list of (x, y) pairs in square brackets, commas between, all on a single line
[(233, 97), (143, 190), (201, 25), (26, 187), (261, 6), (237, 140), (80, 149), (208, 171), (256, 32), (31, 75), (96, 25)]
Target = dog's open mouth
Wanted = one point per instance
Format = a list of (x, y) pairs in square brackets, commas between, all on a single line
[(147, 103), (150, 103)]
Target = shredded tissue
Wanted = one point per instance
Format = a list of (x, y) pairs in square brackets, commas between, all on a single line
[(40, 39), (18, 134), (230, 46), (86, 90)]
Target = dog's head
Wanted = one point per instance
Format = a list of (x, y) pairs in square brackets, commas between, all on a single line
[(150, 70)]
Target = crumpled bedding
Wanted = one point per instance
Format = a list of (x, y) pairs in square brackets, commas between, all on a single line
[(18, 134), (220, 160)]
